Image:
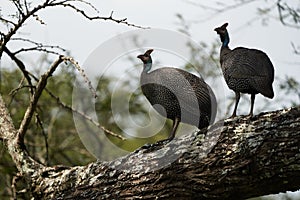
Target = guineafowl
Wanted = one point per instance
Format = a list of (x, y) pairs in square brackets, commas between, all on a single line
[(177, 95), (245, 70)]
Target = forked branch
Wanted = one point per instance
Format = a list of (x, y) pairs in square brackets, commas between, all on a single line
[(34, 99)]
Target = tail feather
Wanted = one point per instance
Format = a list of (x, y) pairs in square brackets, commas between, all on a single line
[(268, 92)]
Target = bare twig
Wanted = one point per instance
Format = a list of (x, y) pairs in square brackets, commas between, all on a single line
[(18, 25), (15, 91), (109, 18), (201, 5), (21, 66), (37, 18), (38, 47), (296, 49), (14, 181), (59, 102), (19, 8), (34, 99), (7, 21), (81, 1), (217, 11), (20, 86), (68, 3), (45, 135), (38, 120), (23, 16), (81, 71), (285, 11)]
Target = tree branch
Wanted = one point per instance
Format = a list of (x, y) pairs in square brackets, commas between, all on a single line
[(296, 49), (7, 21), (25, 164), (34, 99), (18, 25), (21, 66), (84, 116), (38, 47), (215, 10), (250, 158), (288, 16), (25, 13), (28, 116)]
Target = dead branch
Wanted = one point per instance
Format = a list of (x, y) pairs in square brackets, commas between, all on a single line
[(24, 13), (21, 66), (34, 99)]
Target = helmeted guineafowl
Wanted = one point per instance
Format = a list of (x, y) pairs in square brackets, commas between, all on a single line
[(245, 70), (177, 95)]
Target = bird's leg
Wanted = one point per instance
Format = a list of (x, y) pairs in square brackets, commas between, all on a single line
[(237, 99), (252, 105), (176, 122), (174, 128)]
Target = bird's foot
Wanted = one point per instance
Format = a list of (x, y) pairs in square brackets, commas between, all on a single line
[(249, 115), (147, 146), (155, 146), (248, 118), (233, 116), (163, 142)]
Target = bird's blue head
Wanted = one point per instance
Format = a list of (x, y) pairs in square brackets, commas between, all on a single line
[(222, 31), (146, 59)]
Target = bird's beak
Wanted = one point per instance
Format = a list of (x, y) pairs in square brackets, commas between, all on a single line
[(217, 30)]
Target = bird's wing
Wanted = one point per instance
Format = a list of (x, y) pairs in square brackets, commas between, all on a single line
[(191, 91), (249, 63)]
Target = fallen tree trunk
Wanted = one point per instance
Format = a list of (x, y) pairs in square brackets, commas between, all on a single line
[(238, 158)]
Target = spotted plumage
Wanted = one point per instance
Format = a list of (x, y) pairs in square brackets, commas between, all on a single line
[(177, 95), (245, 70)]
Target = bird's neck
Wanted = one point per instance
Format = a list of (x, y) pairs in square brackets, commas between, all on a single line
[(147, 67), (224, 51), (224, 48), (225, 39)]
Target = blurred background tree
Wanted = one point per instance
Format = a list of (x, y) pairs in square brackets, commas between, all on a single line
[(52, 136)]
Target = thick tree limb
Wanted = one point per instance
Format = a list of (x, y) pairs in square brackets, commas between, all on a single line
[(249, 158), (25, 164)]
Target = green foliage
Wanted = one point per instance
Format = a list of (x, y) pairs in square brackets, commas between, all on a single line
[(291, 87), (51, 137)]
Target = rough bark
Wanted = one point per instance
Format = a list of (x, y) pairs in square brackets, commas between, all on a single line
[(239, 158)]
